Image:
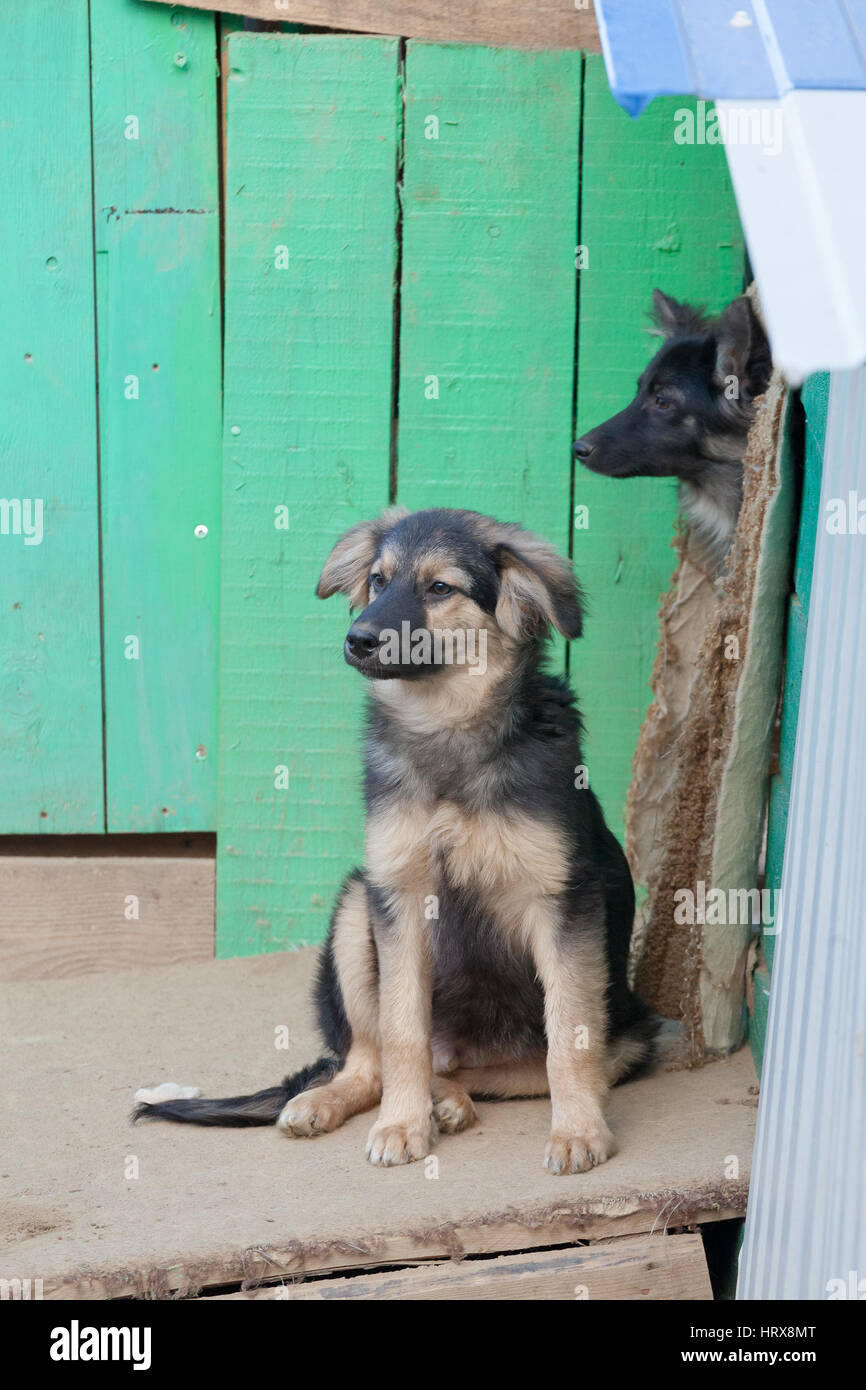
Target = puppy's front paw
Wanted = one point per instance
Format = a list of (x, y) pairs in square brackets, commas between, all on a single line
[(391, 1144), (454, 1112), (310, 1113), (577, 1153)]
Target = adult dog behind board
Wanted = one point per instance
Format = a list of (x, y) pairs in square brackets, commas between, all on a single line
[(481, 951), (691, 417)]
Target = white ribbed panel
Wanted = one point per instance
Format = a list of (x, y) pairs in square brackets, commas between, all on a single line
[(806, 1222)]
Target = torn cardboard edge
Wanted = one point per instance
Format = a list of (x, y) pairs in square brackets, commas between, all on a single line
[(696, 805)]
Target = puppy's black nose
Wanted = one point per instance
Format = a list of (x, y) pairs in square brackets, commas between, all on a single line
[(582, 449), (361, 641)]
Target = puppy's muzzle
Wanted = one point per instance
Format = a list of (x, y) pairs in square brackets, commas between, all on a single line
[(362, 642)]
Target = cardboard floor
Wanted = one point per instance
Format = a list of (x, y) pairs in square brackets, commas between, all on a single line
[(94, 1207)]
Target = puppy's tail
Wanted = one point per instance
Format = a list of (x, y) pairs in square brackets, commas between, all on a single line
[(239, 1112)]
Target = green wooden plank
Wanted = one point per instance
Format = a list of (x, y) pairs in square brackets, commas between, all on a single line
[(158, 304), (488, 285), (310, 258), (777, 821), (795, 651), (653, 213), (50, 679), (757, 1023), (814, 396)]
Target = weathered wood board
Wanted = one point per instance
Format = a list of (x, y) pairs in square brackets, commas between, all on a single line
[(653, 212), (515, 23), (643, 1269), (310, 258), (158, 300), (50, 671), (85, 912)]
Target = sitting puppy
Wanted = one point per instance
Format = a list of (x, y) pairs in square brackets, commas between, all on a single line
[(481, 951), (691, 417)]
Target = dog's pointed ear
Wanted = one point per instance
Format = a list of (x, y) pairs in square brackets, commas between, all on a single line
[(671, 317), (742, 350), (347, 568), (537, 586)]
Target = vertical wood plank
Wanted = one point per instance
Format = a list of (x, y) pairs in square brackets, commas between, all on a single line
[(50, 678), (310, 256), (488, 283), (652, 213), (155, 143)]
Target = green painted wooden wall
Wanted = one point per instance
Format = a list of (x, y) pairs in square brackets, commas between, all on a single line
[(478, 172), (110, 403), (50, 677), (403, 318), (653, 213), (310, 259), (155, 153)]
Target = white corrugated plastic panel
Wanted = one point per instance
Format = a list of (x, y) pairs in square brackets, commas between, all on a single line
[(806, 1224)]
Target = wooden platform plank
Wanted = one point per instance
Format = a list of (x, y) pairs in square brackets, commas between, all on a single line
[(653, 213), (645, 1269), (157, 1208), (488, 284), (155, 144), (50, 667), (310, 255), (72, 915), (519, 23)]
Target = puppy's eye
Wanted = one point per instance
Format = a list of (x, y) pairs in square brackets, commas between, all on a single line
[(377, 581), (662, 402), (440, 588)]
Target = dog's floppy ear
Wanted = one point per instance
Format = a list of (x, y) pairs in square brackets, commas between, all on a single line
[(671, 318), (742, 350), (536, 586), (347, 568)]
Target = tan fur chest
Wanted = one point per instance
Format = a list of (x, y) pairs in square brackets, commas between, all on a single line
[(510, 860)]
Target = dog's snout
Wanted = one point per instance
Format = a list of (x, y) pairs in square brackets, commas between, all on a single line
[(361, 640), (583, 449)]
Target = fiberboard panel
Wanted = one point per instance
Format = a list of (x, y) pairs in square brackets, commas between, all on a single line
[(310, 257)]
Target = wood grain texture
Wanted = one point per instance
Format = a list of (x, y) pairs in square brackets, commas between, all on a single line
[(50, 668), (72, 915), (310, 255), (642, 1269), (653, 213), (488, 284), (158, 300), (509, 23)]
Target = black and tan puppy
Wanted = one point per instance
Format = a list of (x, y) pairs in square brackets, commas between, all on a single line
[(481, 951), (691, 417)]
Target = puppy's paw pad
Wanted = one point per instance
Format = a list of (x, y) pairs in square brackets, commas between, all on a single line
[(167, 1090), (389, 1145), (454, 1113), (573, 1153), (309, 1114)]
